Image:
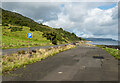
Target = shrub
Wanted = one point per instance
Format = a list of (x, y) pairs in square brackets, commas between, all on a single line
[(34, 51), (54, 42), (21, 52)]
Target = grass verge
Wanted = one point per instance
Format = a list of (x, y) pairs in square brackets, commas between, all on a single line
[(22, 58), (112, 51)]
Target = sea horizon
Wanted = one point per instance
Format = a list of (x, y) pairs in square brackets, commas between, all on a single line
[(102, 41), (115, 43)]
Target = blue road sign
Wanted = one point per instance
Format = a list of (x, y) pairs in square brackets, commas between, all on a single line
[(29, 35)]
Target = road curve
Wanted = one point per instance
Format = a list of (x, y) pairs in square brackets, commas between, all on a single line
[(75, 64)]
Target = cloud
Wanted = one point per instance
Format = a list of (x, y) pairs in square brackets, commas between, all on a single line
[(85, 19), (60, 0), (88, 21), (38, 11)]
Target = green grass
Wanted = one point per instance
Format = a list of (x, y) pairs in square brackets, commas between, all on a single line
[(112, 51), (19, 39), (16, 60)]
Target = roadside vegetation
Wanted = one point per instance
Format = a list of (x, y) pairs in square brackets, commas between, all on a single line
[(22, 58), (114, 52)]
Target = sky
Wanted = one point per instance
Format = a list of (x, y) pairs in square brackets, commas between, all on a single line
[(85, 19)]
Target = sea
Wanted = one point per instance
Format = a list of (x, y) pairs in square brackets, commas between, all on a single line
[(98, 42)]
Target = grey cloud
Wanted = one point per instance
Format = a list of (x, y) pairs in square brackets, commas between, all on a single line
[(42, 10), (81, 18)]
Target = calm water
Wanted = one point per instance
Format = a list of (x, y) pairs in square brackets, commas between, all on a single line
[(104, 42)]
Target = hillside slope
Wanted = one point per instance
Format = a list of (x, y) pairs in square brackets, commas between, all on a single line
[(19, 39), (55, 36)]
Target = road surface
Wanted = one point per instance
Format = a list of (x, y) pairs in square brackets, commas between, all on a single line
[(75, 64), (14, 50)]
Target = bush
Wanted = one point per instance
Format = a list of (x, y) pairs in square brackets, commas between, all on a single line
[(34, 51), (54, 42), (21, 52)]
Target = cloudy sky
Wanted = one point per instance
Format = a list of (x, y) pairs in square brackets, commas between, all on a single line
[(85, 19)]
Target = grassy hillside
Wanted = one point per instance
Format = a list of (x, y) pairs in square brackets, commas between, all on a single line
[(16, 26), (19, 38)]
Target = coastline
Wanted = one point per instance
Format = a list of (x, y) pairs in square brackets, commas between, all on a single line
[(108, 44), (113, 46)]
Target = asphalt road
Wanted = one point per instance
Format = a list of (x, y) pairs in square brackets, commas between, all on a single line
[(14, 50), (76, 64)]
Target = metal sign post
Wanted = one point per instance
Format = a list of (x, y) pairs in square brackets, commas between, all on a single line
[(29, 35)]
